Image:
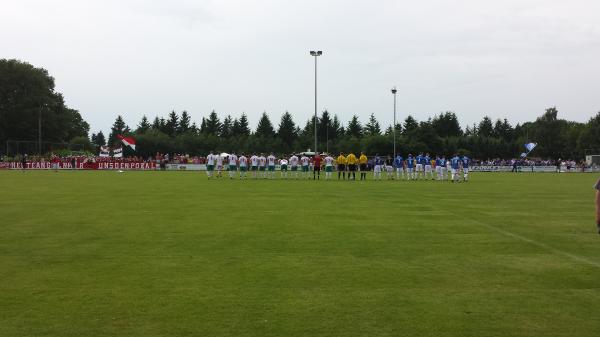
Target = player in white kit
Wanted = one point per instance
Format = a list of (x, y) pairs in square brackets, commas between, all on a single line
[(262, 166), (271, 161), (254, 164), (220, 165), (243, 166), (328, 167), (294, 166), (210, 164), (232, 165), (305, 161), (283, 164)]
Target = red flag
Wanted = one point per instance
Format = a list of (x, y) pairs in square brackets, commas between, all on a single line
[(129, 141)]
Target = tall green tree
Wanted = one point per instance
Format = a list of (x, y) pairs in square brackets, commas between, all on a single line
[(213, 124), (286, 131), (354, 128), (410, 125), (324, 128), (243, 128), (485, 128), (156, 124), (98, 139), (372, 128), (265, 128), (549, 132), (184, 122), (589, 136), (26, 94), (118, 128), (337, 128), (172, 124), (143, 126), (227, 127), (503, 130), (446, 125)]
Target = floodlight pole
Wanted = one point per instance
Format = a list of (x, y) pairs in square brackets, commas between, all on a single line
[(327, 136), (40, 131), (394, 126), (315, 54)]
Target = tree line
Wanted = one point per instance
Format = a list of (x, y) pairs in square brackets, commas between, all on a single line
[(28, 93), (442, 133)]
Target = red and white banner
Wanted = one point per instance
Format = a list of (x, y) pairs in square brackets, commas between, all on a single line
[(126, 166), (80, 165)]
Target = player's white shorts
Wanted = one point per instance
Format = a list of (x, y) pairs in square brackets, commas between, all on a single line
[(438, 170), (465, 170), (453, 171), (389, 168), (400, 170), (219, 167), (427, 168), (419, 167), (377, 168), (410, 170)]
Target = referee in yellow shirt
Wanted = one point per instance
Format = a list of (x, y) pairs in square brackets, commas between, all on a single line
[(351, 160), (341, 165), (362, 160)]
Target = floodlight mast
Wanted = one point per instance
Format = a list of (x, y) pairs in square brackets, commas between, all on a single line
[(394, 90), (315, 54)]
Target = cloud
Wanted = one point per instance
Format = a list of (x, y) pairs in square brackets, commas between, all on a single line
[(507, 59)]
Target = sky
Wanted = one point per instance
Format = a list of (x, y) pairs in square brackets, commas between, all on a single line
[(505, 59)]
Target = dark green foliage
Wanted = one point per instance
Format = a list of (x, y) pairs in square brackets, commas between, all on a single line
[(557, 138), (485, 129), (372, 128), (184, 123), (265, 127), (26, 93), (354, 128), (212, 125), (98, 140), (446, 125), (227, 127), (119, 128), (287, 131), (143, 126)]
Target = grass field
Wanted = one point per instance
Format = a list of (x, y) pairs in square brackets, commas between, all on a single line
[(173, 254)]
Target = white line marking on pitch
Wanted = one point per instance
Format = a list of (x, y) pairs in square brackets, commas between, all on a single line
[(539, 244)]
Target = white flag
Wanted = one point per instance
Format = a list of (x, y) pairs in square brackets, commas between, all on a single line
[(118, 153), (104, 151)]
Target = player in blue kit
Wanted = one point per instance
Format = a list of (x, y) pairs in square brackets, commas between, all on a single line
[(399, 165), (465, 167), (377, 167), (454, 166), (410, 167), (427, 166), (419, 167)]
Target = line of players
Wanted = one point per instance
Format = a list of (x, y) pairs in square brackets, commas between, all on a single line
[(421, 167), (424, 167)]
